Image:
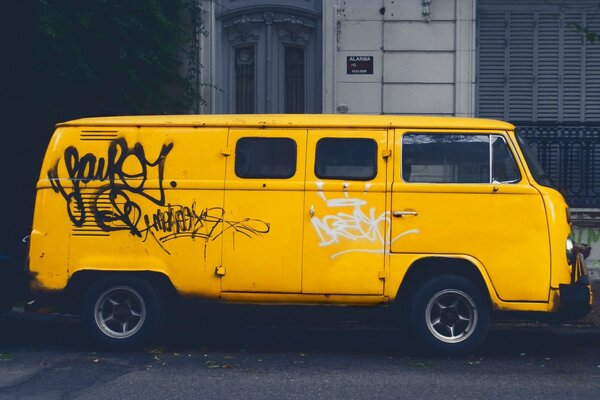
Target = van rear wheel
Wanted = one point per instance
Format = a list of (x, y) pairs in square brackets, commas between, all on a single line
[(122, 312), (450, 315)]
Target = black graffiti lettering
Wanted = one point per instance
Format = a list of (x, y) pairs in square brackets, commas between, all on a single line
[(186, 222), (125, 171), (179, 221), (123, 214), (247, 226), (112, 205)]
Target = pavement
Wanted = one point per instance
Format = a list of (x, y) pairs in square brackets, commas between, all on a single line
[(238, 325), (223, 351)]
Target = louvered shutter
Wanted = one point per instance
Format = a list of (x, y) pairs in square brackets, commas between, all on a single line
[(520, 67), (572, 76), (592, 71), (492, 64), (548, 71), (534, 65)]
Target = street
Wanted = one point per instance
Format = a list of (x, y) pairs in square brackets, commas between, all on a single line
[(252, 352)]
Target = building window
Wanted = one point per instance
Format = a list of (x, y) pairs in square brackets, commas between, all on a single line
[(244, 80), (269, 57), (294, 80)]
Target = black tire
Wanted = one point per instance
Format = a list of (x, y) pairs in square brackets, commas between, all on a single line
[(122, 312), (449, 315)]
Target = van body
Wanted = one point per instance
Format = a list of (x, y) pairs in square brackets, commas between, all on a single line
[(449, 217)]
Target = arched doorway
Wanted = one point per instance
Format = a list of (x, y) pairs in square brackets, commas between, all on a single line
[(270, 57)]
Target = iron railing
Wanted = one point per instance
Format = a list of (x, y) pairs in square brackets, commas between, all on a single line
[(570, 156)]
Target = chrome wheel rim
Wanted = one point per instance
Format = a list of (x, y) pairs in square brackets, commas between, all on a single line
[(120, 312), (451, 316)]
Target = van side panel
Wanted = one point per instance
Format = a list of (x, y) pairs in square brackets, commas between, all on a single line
[(345, 218), (136, 198), (49, 243), (152, 194), (502, 225), (400, 264), (262, 245)]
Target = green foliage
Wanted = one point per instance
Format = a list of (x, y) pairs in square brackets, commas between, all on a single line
[(111, 57), (587, 34)]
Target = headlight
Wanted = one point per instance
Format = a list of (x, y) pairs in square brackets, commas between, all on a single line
[(571, 255)]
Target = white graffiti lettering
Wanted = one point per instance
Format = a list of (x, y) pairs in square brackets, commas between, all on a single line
[(356, 225)]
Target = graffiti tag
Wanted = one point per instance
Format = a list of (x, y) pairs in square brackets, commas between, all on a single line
[(356, 225), (178, 221), (118, 181), (113, 206)]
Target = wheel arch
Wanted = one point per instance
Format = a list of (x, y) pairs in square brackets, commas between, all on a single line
[(427, 267), (83, 279)]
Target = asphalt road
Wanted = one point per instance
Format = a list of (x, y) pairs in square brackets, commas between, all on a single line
[(228, 352)]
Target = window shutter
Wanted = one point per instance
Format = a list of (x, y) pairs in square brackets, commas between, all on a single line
[(492, 64), (535, 65), (548, 71), (520, 78), (573, 77), (592, 71)]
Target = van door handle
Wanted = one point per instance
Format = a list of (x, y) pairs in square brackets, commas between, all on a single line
[(312, 211), (404, 213)]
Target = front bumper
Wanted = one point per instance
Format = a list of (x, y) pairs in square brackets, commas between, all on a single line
[(576, 297)]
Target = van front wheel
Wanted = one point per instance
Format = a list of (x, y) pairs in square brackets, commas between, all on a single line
[(450, 315), (122, 312)]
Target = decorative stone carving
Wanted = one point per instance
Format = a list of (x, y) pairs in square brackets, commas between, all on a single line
[(426, 12), (244, 29), (294, 29)]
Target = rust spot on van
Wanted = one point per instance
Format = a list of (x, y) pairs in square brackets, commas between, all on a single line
[(34, 284)]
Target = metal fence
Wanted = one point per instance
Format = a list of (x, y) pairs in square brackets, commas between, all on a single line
[(570, 155)]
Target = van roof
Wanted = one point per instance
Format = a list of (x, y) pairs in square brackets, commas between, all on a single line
[(296, 120)]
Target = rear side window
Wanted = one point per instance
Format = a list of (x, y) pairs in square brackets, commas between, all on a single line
[(346, 158), (258, 157), (456, 158)]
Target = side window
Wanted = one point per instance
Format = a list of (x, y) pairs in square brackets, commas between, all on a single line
[(259, 157), (504, 167), (455, 158), (346, 158), (446, 158)]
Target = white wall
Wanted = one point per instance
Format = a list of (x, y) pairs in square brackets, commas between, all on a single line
[(419, 67)]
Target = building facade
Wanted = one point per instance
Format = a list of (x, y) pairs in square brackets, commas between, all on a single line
[(524, 61)]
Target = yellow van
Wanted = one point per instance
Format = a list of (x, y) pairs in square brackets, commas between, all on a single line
[(451, 218)]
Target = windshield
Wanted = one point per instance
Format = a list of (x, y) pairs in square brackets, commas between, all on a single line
[(534, 166)]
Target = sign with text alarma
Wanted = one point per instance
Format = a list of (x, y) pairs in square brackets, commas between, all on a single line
[(359, 65)]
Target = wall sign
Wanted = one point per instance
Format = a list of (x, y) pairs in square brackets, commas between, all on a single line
[(359, 65)]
